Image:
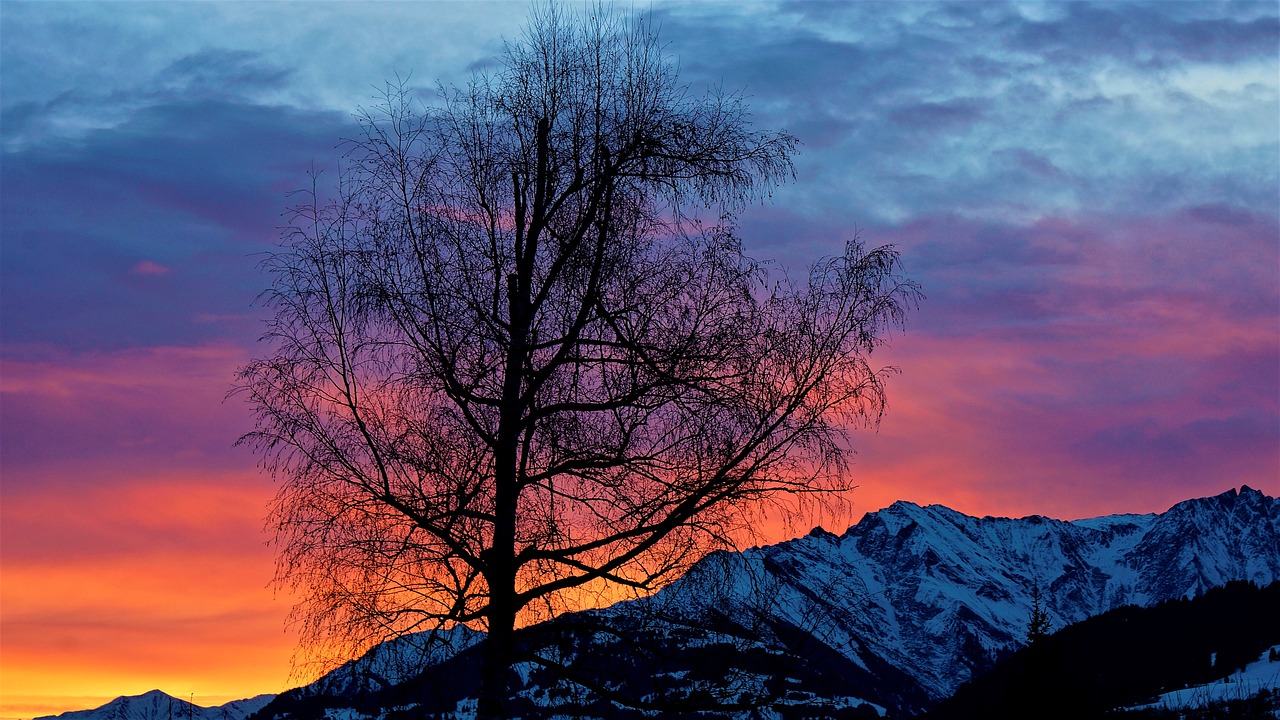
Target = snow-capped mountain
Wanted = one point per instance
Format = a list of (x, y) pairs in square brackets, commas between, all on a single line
[(892, 615), (940, 595), (394, 662), (156, 705)]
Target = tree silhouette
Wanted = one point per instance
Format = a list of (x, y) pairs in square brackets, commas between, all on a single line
[(1039, 625), (513, 361)]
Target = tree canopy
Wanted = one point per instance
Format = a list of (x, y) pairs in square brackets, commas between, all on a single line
[(522, 353)]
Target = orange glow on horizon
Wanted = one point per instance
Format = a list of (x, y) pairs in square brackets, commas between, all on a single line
[(133, 550), (159, 585)]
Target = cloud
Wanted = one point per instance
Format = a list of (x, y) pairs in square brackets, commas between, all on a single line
[(71, 68), (235, 77), (1033, 165), (192, 188), (940, 116), (1129, 359), (1071, 365), (1086, 192), (1151, 36), (222, 73), (993, 112), (1149, 451), (150, 268), (86, 413)]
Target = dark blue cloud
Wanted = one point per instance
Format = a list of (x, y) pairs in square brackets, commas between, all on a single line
[(193, 187), (1001, 111), (949, 115), (1150, 35), (217, 72), (1206, 447)]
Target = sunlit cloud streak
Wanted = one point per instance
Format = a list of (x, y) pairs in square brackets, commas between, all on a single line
[(160, 407)]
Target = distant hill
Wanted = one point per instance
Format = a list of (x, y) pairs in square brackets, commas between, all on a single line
[(1126, 657), (155, 705)]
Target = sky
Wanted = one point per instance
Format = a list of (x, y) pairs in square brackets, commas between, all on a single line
[(1088, 194)]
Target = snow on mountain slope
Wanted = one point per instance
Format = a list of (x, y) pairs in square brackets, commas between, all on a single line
[(898, 611), (395, 661), (916, 600), (156, 705), (941, 595), (239, 709)]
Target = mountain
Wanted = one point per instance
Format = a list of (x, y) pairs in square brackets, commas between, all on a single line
[(1128, 655), (155, 705), (888, 618), (891, 616), (394, 662), (941, 595)]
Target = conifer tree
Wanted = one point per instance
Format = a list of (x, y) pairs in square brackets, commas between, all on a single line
[(1040, 625)]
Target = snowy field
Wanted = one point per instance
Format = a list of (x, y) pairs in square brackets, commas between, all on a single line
[(1262, 674)]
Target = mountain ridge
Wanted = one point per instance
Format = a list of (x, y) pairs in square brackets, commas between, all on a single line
[(893, 614), (158, 705), (951, 579)]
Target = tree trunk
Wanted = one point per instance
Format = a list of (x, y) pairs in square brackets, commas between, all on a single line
[(499, 647), (500, 574), (497, 653)]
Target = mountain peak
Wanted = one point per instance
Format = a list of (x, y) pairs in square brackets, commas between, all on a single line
[(1244, 497), (159, 705), (1249, 494), (1244, 492), (900, 514), (820, 532)]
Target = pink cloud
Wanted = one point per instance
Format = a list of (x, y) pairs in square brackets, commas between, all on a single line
[(158, 407), (1085, 366), (150, 268)]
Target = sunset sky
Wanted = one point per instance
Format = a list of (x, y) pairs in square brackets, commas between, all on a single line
[(1088, 194)]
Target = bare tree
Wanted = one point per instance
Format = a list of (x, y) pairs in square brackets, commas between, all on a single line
[(513, 360)]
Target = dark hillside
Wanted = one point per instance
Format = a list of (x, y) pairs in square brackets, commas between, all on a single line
[(1125, 656), (719, 669)]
